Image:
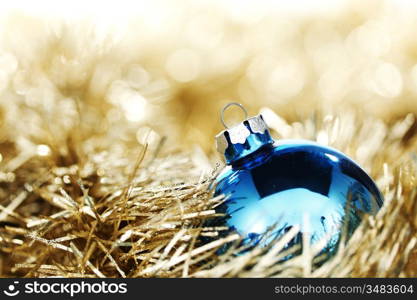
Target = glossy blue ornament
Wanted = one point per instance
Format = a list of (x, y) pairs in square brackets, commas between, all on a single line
[(286, 183)]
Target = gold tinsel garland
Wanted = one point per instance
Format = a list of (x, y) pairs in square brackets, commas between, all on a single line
[(90, 187), (113, 217)]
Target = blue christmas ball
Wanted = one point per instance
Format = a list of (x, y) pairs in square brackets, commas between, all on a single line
[(281, 184)]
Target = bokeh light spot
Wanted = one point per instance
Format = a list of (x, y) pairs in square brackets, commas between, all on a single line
[(43, 150), (387, 80), (183, 65)]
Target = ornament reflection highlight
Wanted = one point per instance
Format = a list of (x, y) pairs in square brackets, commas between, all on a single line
[(279, 185)]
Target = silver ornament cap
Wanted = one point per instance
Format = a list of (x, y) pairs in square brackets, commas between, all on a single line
[(244, 138)]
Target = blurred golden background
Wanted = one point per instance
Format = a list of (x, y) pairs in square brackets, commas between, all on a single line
[(168, 67)]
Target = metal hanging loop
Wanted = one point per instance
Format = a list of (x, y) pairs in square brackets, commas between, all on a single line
[(226, 107)]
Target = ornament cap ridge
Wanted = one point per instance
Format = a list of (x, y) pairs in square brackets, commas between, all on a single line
[(243, 138)]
